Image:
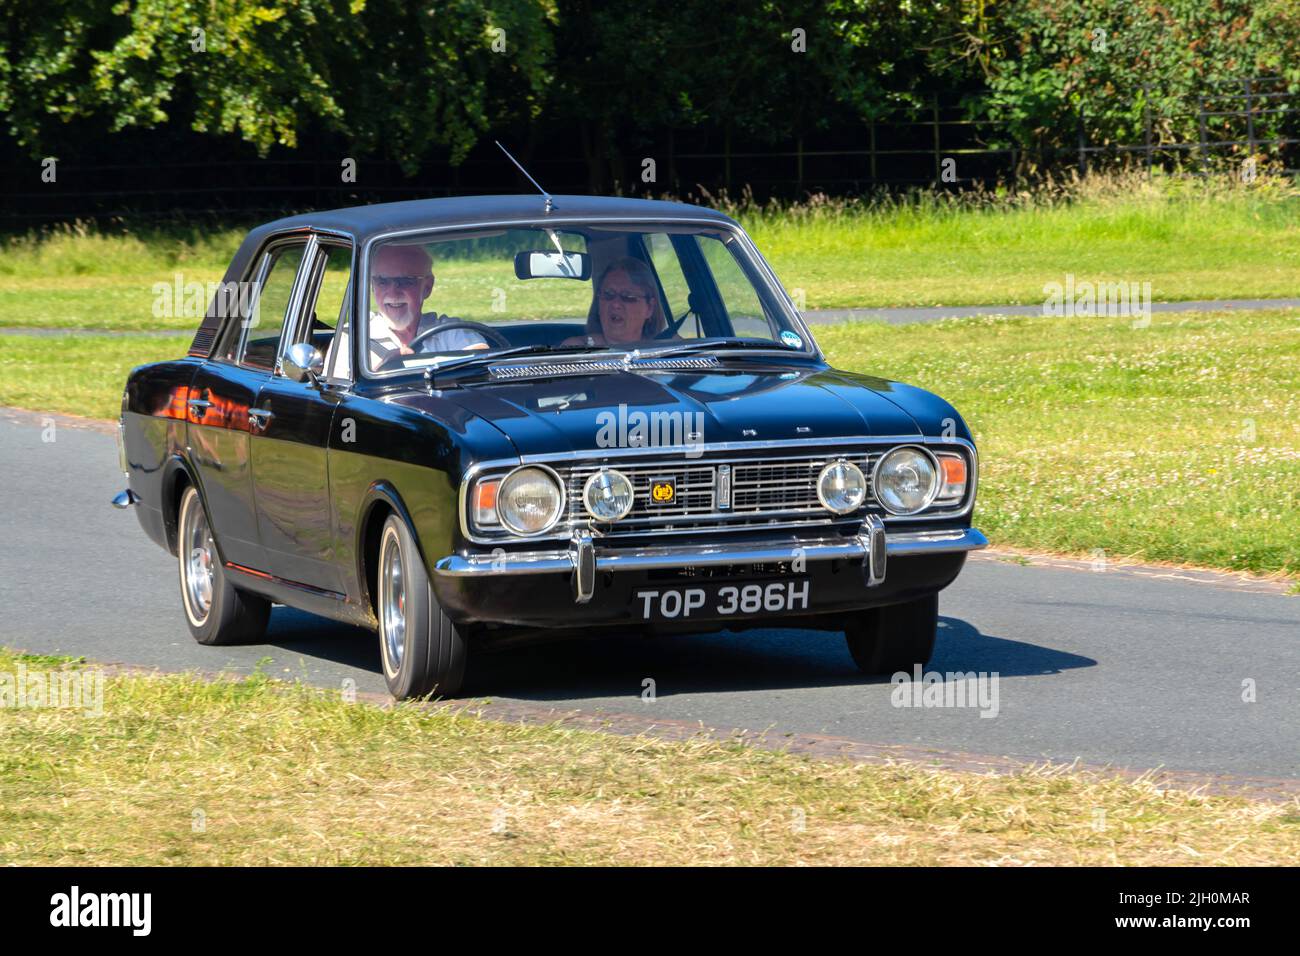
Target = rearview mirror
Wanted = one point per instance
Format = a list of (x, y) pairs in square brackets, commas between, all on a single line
[(540, 264), (302, 362)]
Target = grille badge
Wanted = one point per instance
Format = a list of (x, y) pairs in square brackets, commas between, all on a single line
[(724, 487), (662, 491)]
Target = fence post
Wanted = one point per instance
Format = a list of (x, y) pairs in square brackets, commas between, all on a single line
[(726, 159), (1146, 122), (672, 170), (799, 166), (873, 152), (1204, 136), (938, 175), (1250, 116), (1083, 145)]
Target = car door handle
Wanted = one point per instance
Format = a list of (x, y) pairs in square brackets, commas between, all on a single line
[(260, 416), (199, 406)]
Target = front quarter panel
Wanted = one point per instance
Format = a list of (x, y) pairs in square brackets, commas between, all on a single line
[(407, 452)]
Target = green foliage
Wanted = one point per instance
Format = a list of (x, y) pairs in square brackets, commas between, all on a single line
[(1112, 59), (390, 76), (410, 80)]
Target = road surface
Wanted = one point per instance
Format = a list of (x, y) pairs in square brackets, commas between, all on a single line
[(1117, 668)]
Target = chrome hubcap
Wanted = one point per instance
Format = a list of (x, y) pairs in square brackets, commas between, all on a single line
[(394, 606), (199, 572)]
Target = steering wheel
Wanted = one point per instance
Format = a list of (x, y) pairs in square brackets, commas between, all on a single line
[(492, 335), (396, 359)]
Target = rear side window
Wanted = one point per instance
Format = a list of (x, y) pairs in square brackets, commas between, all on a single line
[(265, 326)]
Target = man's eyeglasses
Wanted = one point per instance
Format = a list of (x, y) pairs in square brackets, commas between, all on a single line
[(401, 282), (627, 298)]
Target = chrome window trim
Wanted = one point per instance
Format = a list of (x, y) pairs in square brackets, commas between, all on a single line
[(328, 238), (652, 456), (291, 309), (258, 269), (771, 285)]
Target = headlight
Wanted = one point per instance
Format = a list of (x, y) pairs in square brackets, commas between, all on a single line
[(841, 487), (906, 481), (607, 495), (529, 500)]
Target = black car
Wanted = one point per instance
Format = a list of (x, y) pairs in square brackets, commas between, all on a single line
[(469, 422)]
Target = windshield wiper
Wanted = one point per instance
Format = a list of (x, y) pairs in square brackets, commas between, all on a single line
[(704, 345), (481, 357)]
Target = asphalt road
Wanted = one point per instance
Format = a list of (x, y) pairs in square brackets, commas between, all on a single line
[(1113, 668)]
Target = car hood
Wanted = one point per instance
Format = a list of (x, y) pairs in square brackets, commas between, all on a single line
[(586, 412)]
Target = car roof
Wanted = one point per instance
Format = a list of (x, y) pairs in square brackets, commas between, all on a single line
[(362, 222)]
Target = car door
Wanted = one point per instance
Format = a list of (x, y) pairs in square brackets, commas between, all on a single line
[(291, 430), (222, 394)]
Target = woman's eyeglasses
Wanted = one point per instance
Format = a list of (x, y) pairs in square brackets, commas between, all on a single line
[(626, 298)]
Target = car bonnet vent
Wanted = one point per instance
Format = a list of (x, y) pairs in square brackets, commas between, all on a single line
[(529, 369)]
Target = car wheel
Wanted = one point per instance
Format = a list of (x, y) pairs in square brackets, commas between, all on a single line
[(885, 640), (423, 651), (216, 611)]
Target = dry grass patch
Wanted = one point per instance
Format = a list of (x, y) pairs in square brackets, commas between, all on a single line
[(250, 772)]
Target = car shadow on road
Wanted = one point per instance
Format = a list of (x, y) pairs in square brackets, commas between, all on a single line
[(311, 636), (718, 662), (724, 661)]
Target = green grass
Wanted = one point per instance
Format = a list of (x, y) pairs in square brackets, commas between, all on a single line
[(1204, 240), (77, 375), (182, 771), (1177, 442), (1229, 246)]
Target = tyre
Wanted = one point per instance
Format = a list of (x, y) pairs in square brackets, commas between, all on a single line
[(216, 611), (423, 651), (885, 640)]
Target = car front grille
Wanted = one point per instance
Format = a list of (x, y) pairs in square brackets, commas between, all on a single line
[(718, 494)]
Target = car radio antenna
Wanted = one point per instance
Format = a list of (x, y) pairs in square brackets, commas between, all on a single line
[(550, 203)]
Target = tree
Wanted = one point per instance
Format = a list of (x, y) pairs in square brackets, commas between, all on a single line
[(392, 77)]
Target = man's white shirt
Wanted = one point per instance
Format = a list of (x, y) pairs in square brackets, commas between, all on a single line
[(384, 344)]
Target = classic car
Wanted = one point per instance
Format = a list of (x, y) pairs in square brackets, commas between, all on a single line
[(467, 423)]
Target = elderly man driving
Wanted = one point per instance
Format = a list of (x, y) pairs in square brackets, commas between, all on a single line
[(401, 278)]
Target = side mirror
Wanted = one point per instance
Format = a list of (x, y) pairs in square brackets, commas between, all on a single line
[(303, 362)]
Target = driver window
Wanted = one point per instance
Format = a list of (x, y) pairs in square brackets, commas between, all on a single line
[(333, 269)]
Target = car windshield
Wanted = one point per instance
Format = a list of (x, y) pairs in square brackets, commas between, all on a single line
[(441, 298)]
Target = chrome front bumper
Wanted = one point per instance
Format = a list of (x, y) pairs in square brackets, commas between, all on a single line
[(584, 559)]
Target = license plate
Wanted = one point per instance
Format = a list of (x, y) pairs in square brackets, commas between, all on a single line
[(721, 600)]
